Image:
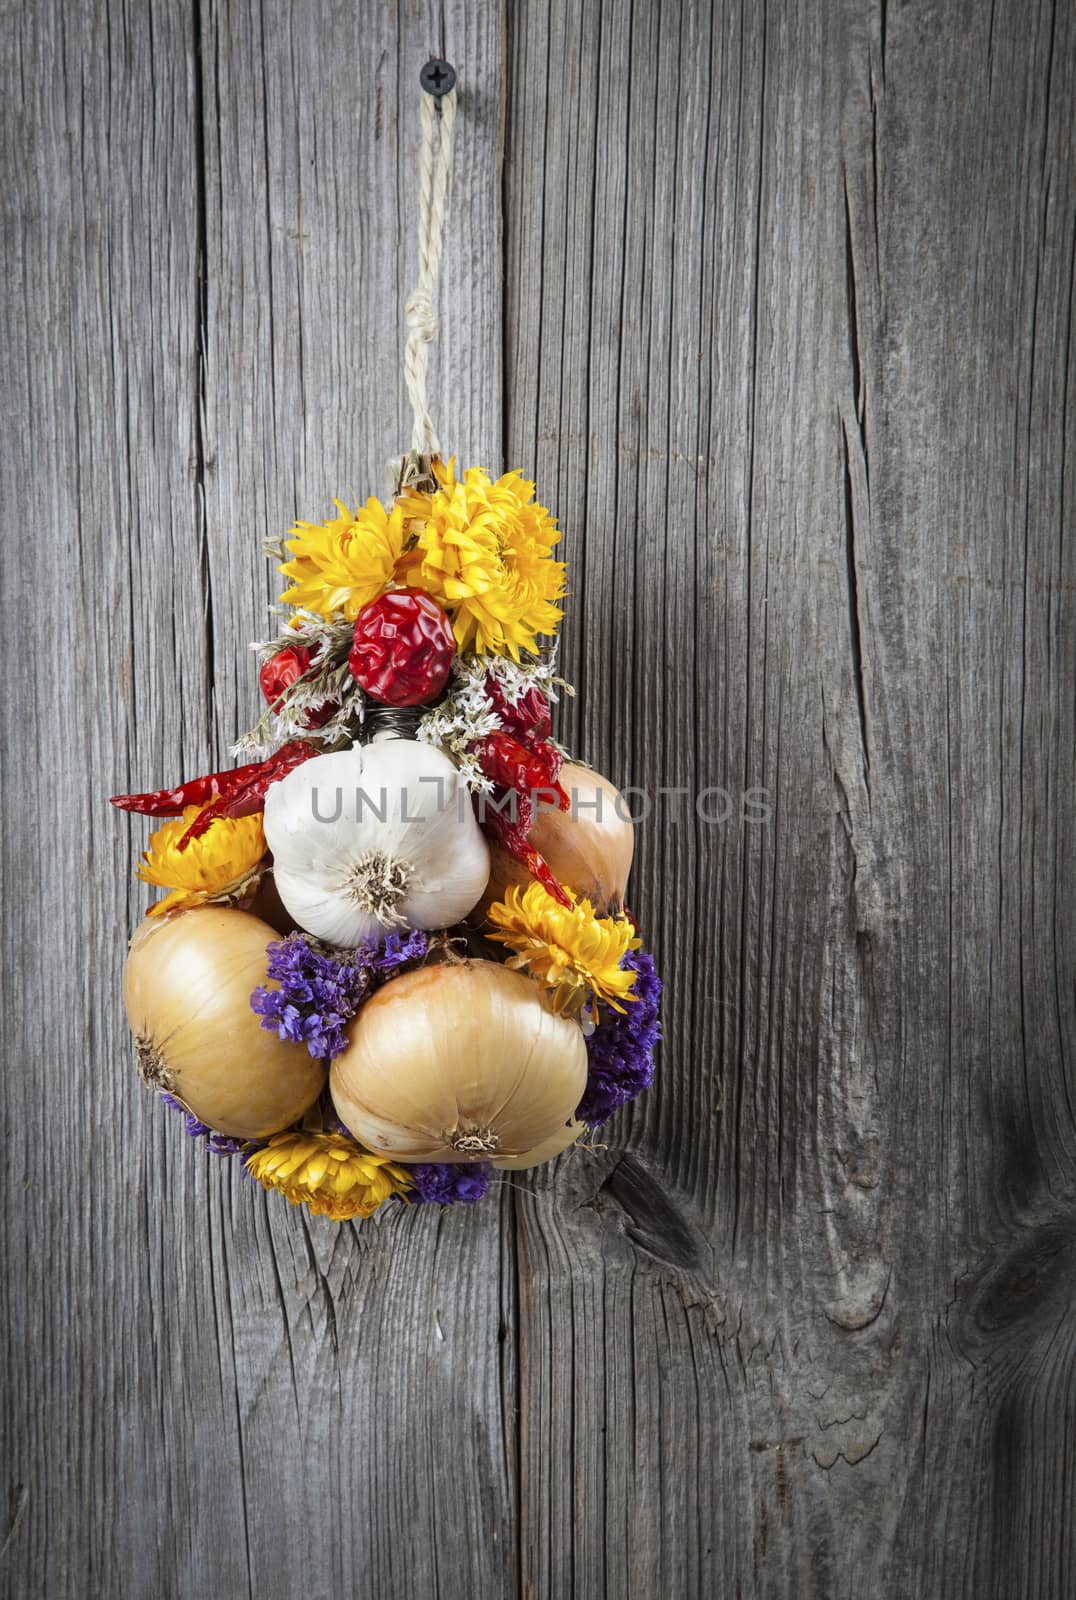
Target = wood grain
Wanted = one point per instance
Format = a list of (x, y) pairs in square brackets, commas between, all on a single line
[(207, 240), (775, 303), (789, 314)]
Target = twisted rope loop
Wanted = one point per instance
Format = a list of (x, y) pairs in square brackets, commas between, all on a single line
[(419, 314)]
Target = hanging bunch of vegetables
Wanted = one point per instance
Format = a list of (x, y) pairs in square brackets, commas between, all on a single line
[(393, 955)]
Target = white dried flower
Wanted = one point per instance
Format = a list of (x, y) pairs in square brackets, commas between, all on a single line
[(466, 715)]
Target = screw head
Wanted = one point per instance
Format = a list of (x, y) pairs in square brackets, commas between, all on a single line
[(437, 77)]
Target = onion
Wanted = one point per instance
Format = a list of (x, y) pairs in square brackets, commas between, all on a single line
[(187, 989), (459, 1062), (589, 847), (561, 1140)]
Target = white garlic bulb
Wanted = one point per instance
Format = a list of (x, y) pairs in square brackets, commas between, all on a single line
[(375, 838)]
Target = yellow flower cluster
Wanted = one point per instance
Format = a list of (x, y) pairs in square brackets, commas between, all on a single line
[(341, 565), (481, 548), (220, 865), (327, 1172), (486, 555), (574, 953)]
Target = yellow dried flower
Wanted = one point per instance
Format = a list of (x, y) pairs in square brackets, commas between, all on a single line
[(328, 1172), (573, 952), (220, 865), (341, 565), (484, 553)]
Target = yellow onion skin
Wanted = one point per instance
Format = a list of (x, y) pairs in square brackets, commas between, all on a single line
[(187, 989), (590, 852), (461, 1061), (563, 1139)]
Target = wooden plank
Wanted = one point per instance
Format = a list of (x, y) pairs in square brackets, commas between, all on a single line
[(356, 1379), (788, 331), (208, 241), (102, 1266), (788, 348)]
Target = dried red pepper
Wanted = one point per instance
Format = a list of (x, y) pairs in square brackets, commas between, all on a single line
[(513, 840), (281, 671), (512, 765), (244, 799), (529, 720), (195, 792), (402, 648), (239, 792), (520, 777)]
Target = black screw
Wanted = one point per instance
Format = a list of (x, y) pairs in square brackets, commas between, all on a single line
[(437, 77)]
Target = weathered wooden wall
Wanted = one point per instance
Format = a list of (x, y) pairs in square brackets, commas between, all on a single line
[(776, 303)]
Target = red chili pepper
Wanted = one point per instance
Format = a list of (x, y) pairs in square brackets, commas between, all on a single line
[(527, 776), (195, 792), (529, 772), (246, 798), (512, 838), (280, 672), (235, 793), (528, 720)]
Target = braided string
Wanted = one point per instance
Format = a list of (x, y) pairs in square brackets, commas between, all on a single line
[(419, 315)]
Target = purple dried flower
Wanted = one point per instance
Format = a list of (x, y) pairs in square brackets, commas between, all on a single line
[(620, 1051), (218, 1143), (447, 1184), (320, 991), (396, 951)]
